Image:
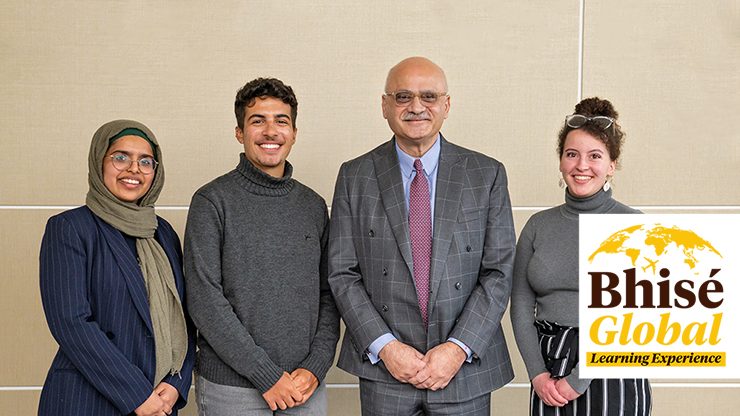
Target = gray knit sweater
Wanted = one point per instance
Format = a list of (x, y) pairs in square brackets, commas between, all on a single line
[(545, 283), (256, 275)]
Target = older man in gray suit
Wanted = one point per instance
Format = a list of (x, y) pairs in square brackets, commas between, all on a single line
[(421, 250)]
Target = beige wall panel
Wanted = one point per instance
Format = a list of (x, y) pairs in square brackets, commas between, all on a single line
[(694, 401), (177, 219), (509, 400), (344, 401), (670, 68), (191, 409), (521, 217), (71, 66), (26, 341), (19, 403), (337, 375)]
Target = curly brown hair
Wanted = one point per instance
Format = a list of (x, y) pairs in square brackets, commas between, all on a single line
[(613, 137), (260, 88)]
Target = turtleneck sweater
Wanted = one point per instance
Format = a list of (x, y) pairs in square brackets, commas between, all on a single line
[(255, 269), (545, 285)]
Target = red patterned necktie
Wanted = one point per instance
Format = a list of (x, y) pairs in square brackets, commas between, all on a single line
[(420, 230)]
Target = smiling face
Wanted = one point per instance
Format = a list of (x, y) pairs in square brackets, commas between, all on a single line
[(417, 123), (268, 135), (128, 185), (585, 163)]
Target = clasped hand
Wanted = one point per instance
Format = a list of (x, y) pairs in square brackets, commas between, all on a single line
[(553, 392), (291, 390), (432, 370), (160, 402)]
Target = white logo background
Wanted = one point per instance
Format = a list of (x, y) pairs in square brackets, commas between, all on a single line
[(722, 231)]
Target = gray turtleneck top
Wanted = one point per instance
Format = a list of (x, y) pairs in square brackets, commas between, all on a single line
[(545, 283), (256, 275)]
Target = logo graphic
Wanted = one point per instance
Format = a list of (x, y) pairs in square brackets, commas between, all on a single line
[(659, 241), (653, 295)]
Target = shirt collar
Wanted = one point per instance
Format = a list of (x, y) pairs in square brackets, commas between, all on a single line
[(429, 160)]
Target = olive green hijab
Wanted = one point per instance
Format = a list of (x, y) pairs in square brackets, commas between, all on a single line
[(139, 220)]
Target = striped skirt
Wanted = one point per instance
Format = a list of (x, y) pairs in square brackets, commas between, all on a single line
[(604, 397)]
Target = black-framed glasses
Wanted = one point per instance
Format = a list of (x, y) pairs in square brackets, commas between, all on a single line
[(122, 161), (404, 97), (577, 121)]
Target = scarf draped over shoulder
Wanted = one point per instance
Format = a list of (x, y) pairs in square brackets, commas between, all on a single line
[(139, 221)]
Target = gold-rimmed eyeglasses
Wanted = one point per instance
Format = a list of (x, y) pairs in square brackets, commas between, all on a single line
[(405, 97), (122, 161)]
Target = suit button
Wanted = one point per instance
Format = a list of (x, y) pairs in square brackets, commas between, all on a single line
[(468, 248), (371, 233), (385, 308), (458, 285), (385, 271)]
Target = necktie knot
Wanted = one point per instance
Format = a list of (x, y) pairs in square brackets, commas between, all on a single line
[(418, 166)]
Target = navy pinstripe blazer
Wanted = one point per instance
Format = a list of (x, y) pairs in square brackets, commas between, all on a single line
[(370, 265), (96, 306)]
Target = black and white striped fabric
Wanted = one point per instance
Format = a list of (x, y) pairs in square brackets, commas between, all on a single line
[(559, 345), (604, 397)]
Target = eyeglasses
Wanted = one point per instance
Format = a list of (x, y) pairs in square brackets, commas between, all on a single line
[(577, 121), (121, 161), (426, 97)]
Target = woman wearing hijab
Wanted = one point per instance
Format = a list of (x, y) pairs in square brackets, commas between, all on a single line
[(544, 296), (112, 289)]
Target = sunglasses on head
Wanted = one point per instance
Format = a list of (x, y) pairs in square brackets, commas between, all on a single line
[(577, 121)]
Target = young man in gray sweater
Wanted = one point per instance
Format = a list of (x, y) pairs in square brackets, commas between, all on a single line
[(256, 273)]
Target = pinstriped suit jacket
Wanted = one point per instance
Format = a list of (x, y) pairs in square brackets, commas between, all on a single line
[(96, 306), (370, 265)]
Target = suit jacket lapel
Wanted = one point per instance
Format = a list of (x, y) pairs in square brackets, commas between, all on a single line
[(130, 269), (447, 202), (392, 194)]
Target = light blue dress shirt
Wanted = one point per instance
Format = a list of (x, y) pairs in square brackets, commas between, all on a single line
[(429, 162)]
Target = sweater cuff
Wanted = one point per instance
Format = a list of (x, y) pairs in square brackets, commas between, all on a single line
[(535, 370), (317, 366), (265, 376), (579, 384)]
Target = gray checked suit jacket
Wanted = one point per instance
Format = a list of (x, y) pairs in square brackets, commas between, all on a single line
[(473, 247)]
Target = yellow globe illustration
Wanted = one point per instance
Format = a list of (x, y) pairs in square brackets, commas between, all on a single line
[(659, 241)]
